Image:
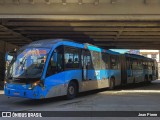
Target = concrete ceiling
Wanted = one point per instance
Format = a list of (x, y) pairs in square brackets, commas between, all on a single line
[(133, 24)]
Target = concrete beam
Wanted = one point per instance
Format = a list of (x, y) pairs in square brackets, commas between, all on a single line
[(14, 34), (85, 24), (59, 36), (66, 33), (16, 42), (128, 40), (104, 7), (141, 33), (125, 37), (87, 33), (44, 29), (139, 37), (107, 17), (85, 29), (4, 33)]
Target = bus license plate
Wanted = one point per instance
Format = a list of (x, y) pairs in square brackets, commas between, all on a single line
[(16, 93)]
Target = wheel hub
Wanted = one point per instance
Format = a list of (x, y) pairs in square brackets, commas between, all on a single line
[(71, 90)]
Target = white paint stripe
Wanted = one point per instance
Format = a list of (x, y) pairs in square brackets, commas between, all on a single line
[(130, 91), (1, 92), (139, 91)]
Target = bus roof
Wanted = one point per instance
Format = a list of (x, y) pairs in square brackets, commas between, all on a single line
[(48, 43), (96, 48), (138, 57), (113, 52)]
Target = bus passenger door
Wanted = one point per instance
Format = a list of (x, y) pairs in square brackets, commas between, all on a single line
[(130, 78), (87, 71), (84, 65), (123, 70)]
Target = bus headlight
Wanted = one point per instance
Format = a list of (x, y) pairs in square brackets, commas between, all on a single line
[(35, 84), (5, 82), (40, 83)]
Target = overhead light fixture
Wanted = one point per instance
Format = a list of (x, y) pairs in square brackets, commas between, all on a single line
[(47, 1), (16, 1), (80, 2), (64, 2), (96, 2), (145, 1), (31, 1), (113, 1)]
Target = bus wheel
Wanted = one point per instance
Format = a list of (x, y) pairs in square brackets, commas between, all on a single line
[(145, 79), (112, 84), (134, 81), (150, 79), (71, 90)]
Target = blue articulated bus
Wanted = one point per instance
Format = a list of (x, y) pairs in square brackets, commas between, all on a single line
[(137, 68), (49, 68)]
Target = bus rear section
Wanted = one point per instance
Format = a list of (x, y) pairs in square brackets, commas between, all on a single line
[(136, 69), (127, 70)]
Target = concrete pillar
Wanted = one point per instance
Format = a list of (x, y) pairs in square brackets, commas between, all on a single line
[(4, 47), (2, 62)]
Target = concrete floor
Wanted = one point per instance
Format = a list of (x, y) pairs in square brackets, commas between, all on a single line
[(133, 98)]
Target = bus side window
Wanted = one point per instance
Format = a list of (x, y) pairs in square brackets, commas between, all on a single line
[(128, 64), (149, 66), (55, 64), (103, 61), (114, 64), (134, 64), (95, 60), (118, 62), (72, 58), (86, 59)]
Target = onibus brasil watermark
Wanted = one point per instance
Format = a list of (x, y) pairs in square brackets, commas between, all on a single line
[(80, 114), (21, 114)]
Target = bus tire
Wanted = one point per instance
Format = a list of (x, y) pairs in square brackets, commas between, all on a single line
[(134, 80), (146, 79), (150, 79), (112, 83), (72, 90)]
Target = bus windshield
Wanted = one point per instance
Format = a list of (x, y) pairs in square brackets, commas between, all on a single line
[(27, 63)]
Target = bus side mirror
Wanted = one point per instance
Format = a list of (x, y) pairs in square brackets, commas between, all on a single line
[(10, 55)]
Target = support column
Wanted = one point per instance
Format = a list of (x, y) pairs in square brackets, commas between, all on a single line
[(2, 63), (4, 47)]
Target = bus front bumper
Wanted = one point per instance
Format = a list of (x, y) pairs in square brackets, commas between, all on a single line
[(22, 93)]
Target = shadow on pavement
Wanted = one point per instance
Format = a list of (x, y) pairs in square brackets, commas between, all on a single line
[(140, 86)]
